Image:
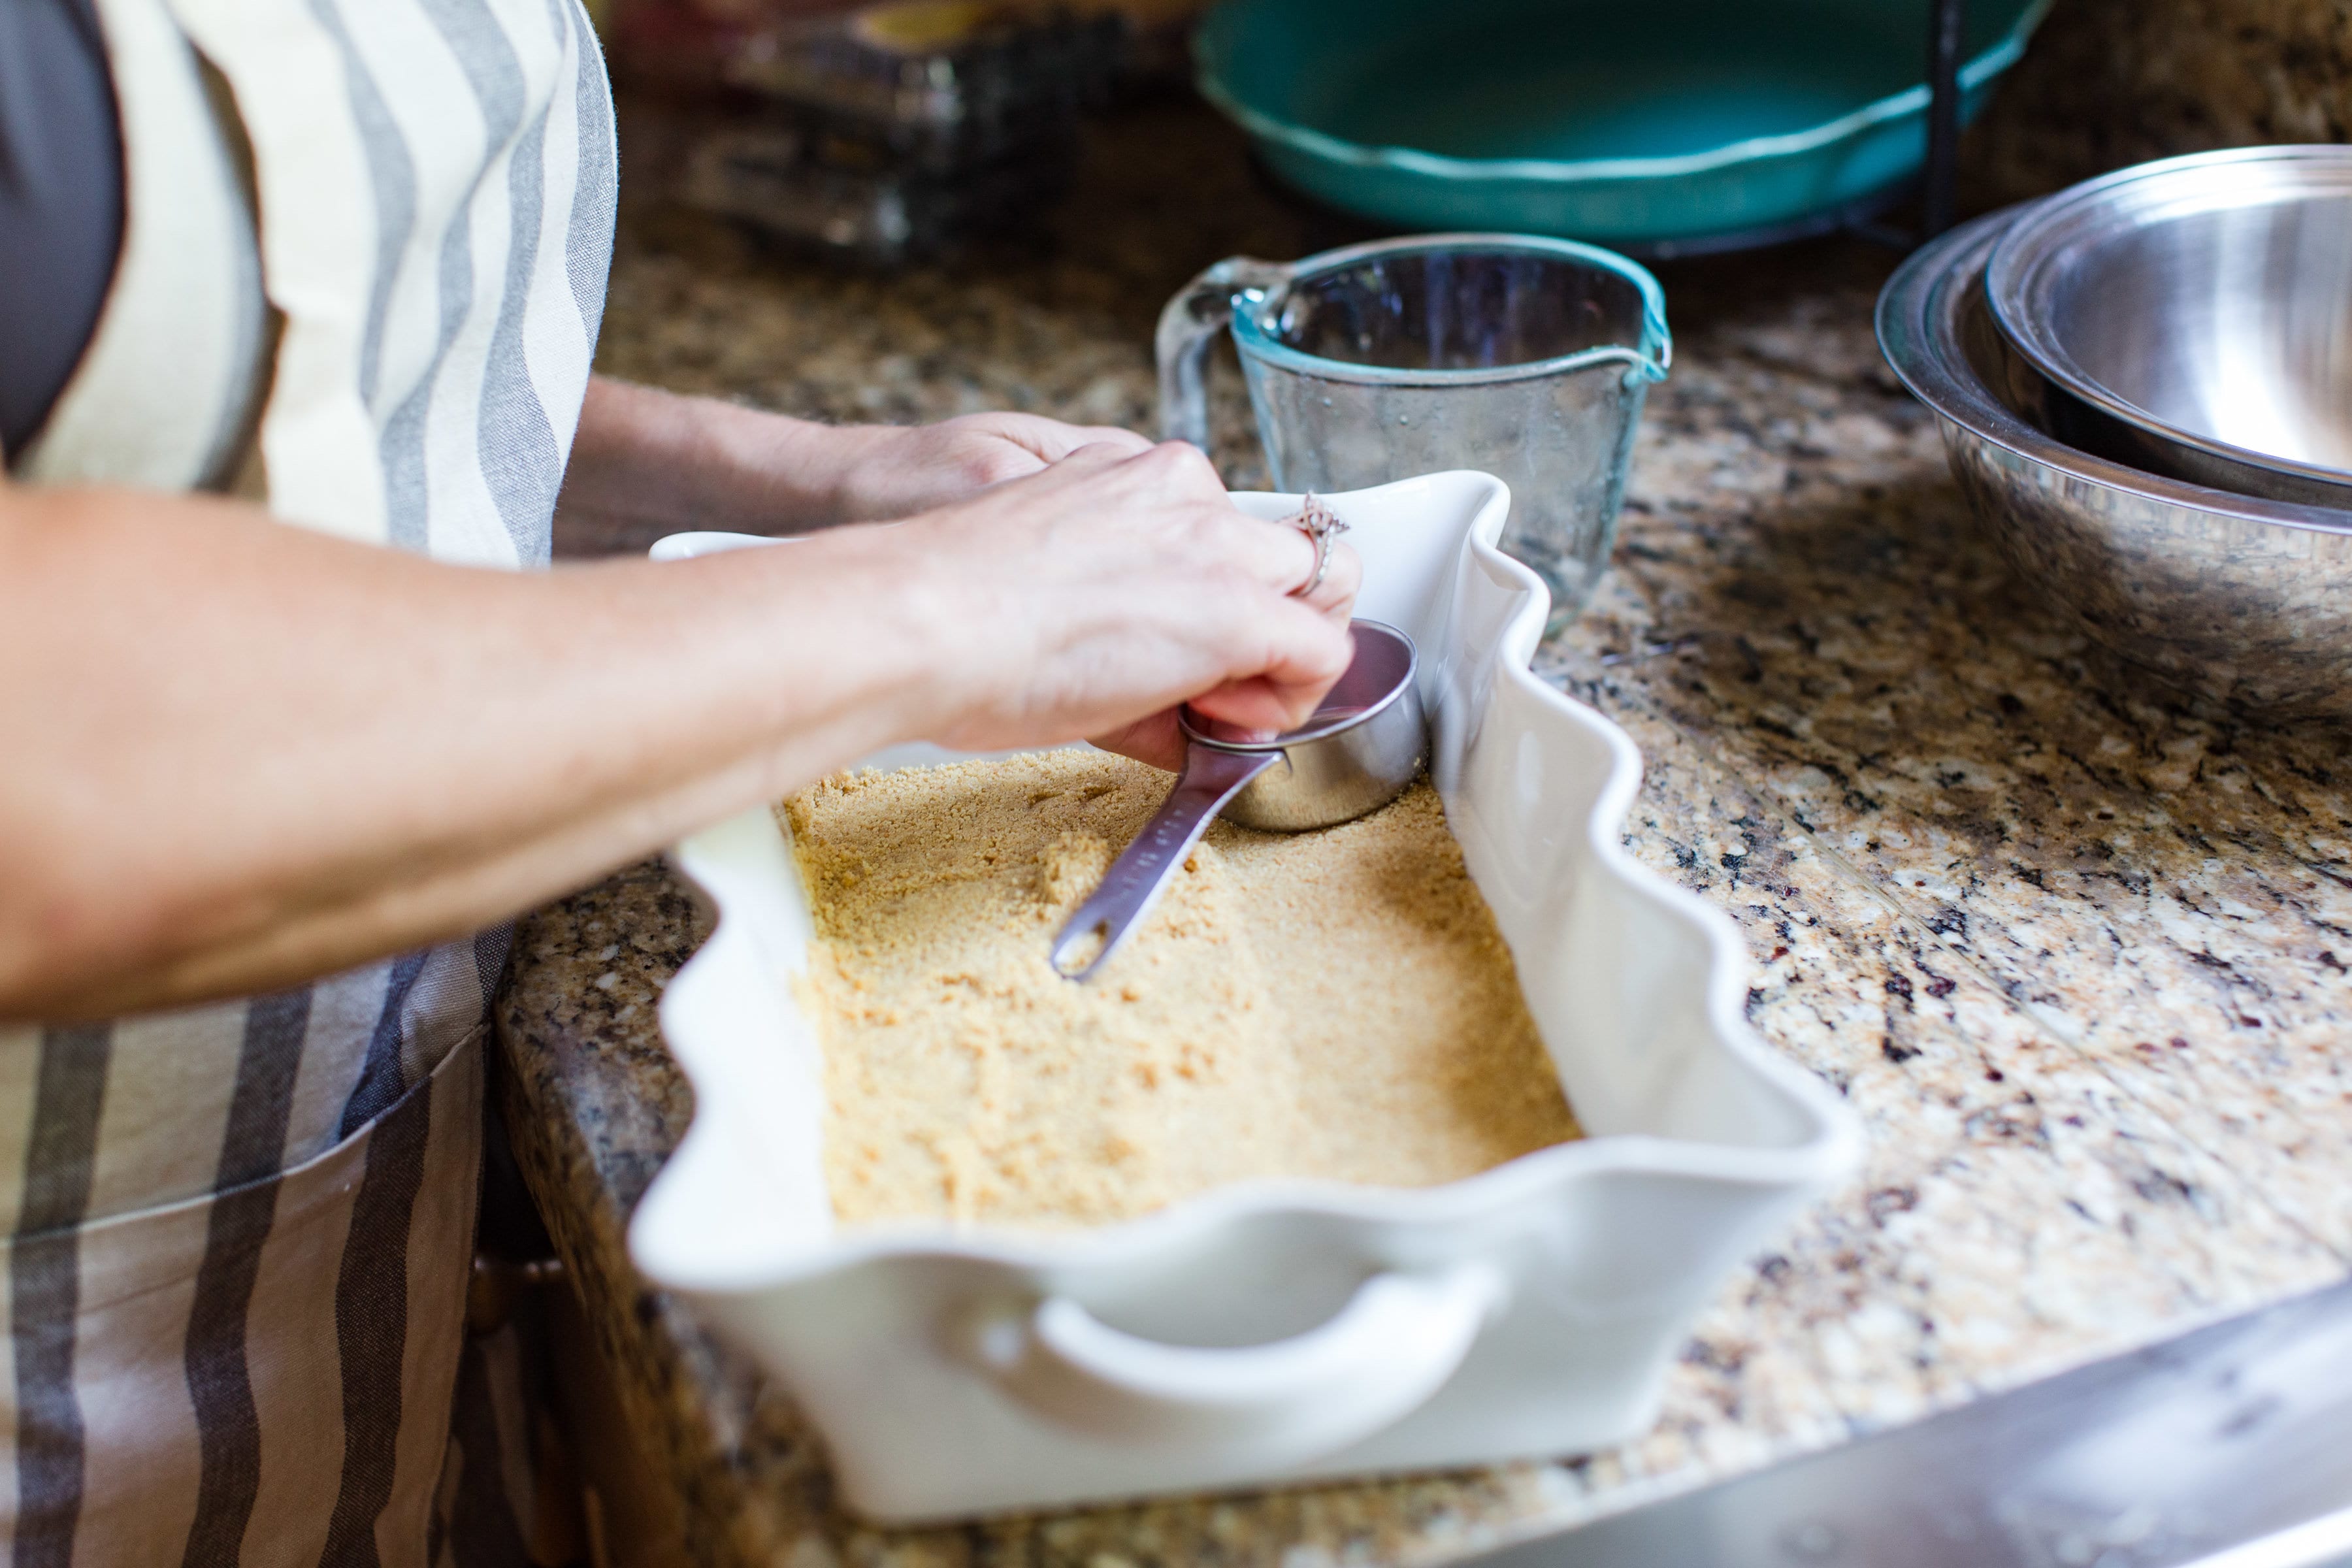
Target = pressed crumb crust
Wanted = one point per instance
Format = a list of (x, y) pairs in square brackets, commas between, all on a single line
[(1335, 1005)]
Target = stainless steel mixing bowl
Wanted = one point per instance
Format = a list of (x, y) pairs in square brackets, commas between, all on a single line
[(2240, 597), (2194, 316)]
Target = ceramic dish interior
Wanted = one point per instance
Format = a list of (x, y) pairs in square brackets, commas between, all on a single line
[(2238, 597), (1276, 1330), (1688, 121)]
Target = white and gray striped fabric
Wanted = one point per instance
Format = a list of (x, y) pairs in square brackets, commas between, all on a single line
[(239, 1235)]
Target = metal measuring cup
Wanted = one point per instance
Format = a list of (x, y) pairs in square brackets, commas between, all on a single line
[(1366, 742)]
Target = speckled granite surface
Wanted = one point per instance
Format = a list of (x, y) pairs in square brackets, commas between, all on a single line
[(2110, 82), (2076, 950)]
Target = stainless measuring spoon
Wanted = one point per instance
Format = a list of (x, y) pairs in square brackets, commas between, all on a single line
[(1363, 745)]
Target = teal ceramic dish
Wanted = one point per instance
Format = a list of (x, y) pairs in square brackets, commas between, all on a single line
[(1686, 124)]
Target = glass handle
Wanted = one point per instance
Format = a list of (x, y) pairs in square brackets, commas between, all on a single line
[(1187, 325)]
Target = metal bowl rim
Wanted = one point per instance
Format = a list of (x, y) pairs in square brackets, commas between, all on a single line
[(1922, 362), (1355, 721), (2018, 258)]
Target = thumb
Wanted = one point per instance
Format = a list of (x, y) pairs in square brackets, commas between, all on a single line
[(1155, 739)]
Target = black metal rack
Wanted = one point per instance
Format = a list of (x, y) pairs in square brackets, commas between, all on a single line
[(1939, 179)]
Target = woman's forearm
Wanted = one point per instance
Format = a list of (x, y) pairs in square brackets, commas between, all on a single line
[(646, 462), (239, 754)]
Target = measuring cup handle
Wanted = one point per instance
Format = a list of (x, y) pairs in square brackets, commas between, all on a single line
[(1187, 325), (1132, 884)]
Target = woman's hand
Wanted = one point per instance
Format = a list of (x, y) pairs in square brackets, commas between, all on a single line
[(447, 745), (885, 471), (648, 462), (1090, 598), (1088, 579)]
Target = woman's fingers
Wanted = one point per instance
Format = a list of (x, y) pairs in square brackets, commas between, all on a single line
[(1154, 739), (1336, 594), (1092, 598), (887, 472), (1282, 556), (1289, 647), (1275, 683), (1095, 456), (1052, 440), (1112, 435), (1289, 678)]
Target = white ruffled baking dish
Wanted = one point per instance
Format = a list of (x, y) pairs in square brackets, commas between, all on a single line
[(1275, 1330)]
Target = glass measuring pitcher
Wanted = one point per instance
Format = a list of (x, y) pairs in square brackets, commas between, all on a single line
[(1524, 357)]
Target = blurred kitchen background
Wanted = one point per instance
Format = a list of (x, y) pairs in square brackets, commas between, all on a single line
[(906, 210)]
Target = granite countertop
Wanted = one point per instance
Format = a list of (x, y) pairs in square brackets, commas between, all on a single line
[(2075, 947)]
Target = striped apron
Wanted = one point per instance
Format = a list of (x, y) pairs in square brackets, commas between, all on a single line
[(361, 278)]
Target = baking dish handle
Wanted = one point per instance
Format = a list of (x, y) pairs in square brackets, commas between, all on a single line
[(1255, 1407)]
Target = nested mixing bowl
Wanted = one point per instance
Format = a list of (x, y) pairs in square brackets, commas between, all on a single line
[(2240, 597), (2193, 316)]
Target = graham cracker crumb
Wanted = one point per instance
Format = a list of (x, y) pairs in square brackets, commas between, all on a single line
[(1335, 1005)]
